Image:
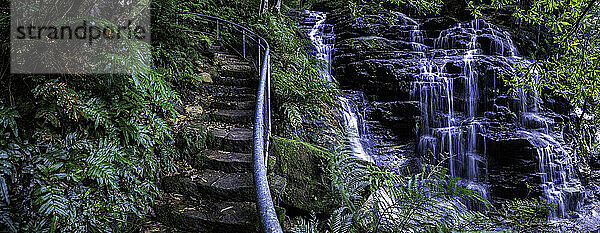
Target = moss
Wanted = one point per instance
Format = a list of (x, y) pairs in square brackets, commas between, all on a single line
[(302, 165), (281, 213), (200, 159)]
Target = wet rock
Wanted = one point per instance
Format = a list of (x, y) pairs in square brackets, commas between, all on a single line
[(435, 25), (455, 71), (399, 116), (382, 77), (511, 161)]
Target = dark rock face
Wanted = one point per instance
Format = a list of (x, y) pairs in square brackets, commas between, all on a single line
[(435, 85), (511, 160)]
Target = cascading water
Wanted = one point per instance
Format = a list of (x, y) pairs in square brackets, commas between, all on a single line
[(443, 129), (557, 174), (457, 131), (556, 171), (452, 93), (323, 38)]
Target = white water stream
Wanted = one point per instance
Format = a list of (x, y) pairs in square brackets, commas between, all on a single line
[(323, 38)]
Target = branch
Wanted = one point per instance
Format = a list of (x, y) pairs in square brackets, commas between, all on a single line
[(587, 9)]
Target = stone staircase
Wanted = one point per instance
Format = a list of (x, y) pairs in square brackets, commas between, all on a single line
[(214, 192)]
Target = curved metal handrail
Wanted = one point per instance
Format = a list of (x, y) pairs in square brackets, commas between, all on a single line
[(262, 121)]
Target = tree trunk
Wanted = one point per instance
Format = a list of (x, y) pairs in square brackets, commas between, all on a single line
[(301, 3)]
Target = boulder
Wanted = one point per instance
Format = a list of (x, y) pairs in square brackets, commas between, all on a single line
[(302, 165)]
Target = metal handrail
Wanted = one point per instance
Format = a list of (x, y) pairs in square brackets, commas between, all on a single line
[(262, 121)]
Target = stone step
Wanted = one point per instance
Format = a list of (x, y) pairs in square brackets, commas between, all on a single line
[(232, 116), (212, 184), (234, 97), (224, 161), (239, 105), (233, 62), (215, 48), (232, 139), (158, 227), (221, 54), (237, 73), (207, 216), (241, 82), (224, 89), (225, 59)]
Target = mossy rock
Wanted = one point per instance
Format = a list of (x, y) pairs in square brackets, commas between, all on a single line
[(301, 164)]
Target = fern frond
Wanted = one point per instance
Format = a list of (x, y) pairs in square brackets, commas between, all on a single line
[(8, 117)]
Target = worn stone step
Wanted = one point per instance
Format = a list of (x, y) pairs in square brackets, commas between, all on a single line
[(233, 97), (224, 161), (207, 216), (232, 139), (235, 61), (158, 227), (236, 73), (212, 184), (222, 54), (232, 116), (224, 89), (235, 64), (232, 81), (224, 59), (239, 105), (216, 49), (219, 185)]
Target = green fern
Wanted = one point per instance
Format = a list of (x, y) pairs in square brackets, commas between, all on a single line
[(340, 220), (8, 116), (306, 226)]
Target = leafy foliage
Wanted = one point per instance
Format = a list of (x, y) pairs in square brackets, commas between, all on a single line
[(299, 91), (83, 153), (421, 7), (426, 201), (373, 199), (526, 215), (571, 68)]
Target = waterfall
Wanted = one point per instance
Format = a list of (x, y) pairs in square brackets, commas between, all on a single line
[(451, 121), (557, 174), (323, 38), (453, 91), (443, 129)]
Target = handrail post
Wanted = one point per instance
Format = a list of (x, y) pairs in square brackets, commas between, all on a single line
[(218, 33), (258, 46), (244, 44)]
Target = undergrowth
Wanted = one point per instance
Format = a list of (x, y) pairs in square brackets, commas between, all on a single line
[(83, 153), (372, 199)]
